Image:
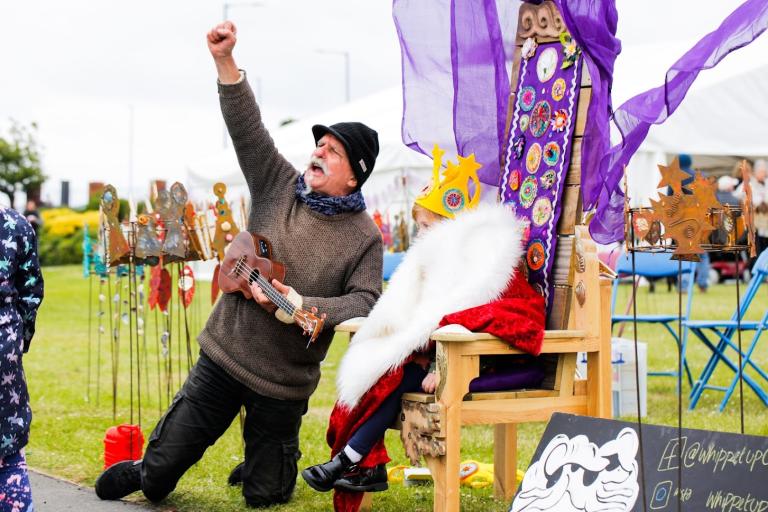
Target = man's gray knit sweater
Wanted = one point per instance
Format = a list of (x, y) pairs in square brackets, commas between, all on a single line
[(334, 262)]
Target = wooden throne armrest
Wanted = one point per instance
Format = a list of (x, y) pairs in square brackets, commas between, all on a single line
[(351, 326), (561, 341)]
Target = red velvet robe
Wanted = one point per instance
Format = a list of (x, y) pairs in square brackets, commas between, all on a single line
[(517, 317)]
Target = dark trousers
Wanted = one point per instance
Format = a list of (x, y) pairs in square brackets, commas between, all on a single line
[(201, 412), (374, 428)]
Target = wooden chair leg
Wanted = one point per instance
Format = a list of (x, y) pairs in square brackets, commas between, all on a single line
[(504, 461), (445, 474), (436, 466), (367, 504), (445, 469)]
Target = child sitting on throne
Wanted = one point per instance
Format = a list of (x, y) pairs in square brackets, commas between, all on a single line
[(465, 259)]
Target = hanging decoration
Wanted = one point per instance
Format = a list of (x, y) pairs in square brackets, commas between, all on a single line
[(689, 220), (172, 231), (187, 286)]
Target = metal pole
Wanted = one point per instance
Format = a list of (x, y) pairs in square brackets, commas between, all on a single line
[(347, 70), (225, 13), (130, 153), (347, 76), (257, 83)]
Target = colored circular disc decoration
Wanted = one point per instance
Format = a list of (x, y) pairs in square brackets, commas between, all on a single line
[(547, 64), (453, 200), (514, 179), (551, 153), (547, 179), (535, 255), (524, 121), (533, 158), (558, 89), (528, 192), (542, 211), (527, 98), (559, 120), (540, 118)]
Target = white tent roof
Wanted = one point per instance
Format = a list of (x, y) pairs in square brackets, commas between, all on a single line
[(728, 118), (399, 171), (722, 118), (724, 113)]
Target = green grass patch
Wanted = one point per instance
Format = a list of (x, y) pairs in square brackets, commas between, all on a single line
[(71, 417)]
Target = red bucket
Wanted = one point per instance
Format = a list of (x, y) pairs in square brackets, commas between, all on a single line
[(123, 442)]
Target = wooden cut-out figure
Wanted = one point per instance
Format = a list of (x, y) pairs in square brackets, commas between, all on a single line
[(117, 244), (195, 248), (226, 229)]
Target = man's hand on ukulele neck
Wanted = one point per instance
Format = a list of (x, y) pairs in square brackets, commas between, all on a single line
[(261, 299)]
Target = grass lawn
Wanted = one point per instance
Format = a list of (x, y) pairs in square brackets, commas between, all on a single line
[(69, 425)]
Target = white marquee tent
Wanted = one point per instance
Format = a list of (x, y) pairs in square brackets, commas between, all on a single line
[(723, 118), (397, 173)]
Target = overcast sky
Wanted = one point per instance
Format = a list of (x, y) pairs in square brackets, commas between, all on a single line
[(79, 67)]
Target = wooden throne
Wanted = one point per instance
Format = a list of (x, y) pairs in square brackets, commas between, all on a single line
[(578, 321)]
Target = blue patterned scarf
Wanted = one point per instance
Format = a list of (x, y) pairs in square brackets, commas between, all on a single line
[(329, 205)]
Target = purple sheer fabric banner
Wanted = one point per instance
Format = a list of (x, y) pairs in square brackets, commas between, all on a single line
[(455, 84), (454, 94), (592, 24), (635, 117)]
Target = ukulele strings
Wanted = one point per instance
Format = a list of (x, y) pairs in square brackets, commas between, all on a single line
[(242, 269)]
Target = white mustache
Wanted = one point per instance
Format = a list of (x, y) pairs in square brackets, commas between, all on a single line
[(319, 162)]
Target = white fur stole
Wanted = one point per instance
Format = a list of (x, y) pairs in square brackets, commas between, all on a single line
[(456, 265)]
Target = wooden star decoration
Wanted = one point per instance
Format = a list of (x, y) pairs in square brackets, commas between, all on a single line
[(703, 189), (685, 222), (673, 176)]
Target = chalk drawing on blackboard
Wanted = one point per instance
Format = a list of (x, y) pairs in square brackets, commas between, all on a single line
[(576, 475)]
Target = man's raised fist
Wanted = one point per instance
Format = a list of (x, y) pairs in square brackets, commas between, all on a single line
[(222, 39)]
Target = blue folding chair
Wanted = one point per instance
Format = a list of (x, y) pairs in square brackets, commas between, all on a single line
[(391, 261), (657, 265), (725, 332)]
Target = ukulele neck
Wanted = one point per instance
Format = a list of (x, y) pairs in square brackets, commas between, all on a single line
[(277, 298)]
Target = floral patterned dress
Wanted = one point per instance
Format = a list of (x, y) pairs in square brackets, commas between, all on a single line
[(21, 292)]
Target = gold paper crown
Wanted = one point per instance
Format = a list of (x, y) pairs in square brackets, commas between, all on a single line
[(450, 195)]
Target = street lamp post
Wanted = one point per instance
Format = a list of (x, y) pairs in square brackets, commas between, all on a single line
[(225, 11), (228, 5), (345, 54)]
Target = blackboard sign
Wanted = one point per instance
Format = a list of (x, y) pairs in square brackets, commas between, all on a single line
[(587, 464)]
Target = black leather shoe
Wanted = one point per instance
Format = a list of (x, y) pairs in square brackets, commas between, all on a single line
[(358, 479), (322, 476), (236, 476), (119, 480)]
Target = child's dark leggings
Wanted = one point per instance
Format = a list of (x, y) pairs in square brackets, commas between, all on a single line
[(374, 428)]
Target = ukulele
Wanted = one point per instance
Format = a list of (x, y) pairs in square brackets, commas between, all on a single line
[(248, 260)]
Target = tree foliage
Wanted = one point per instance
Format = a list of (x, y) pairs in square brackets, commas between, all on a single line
[(20, 168)]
